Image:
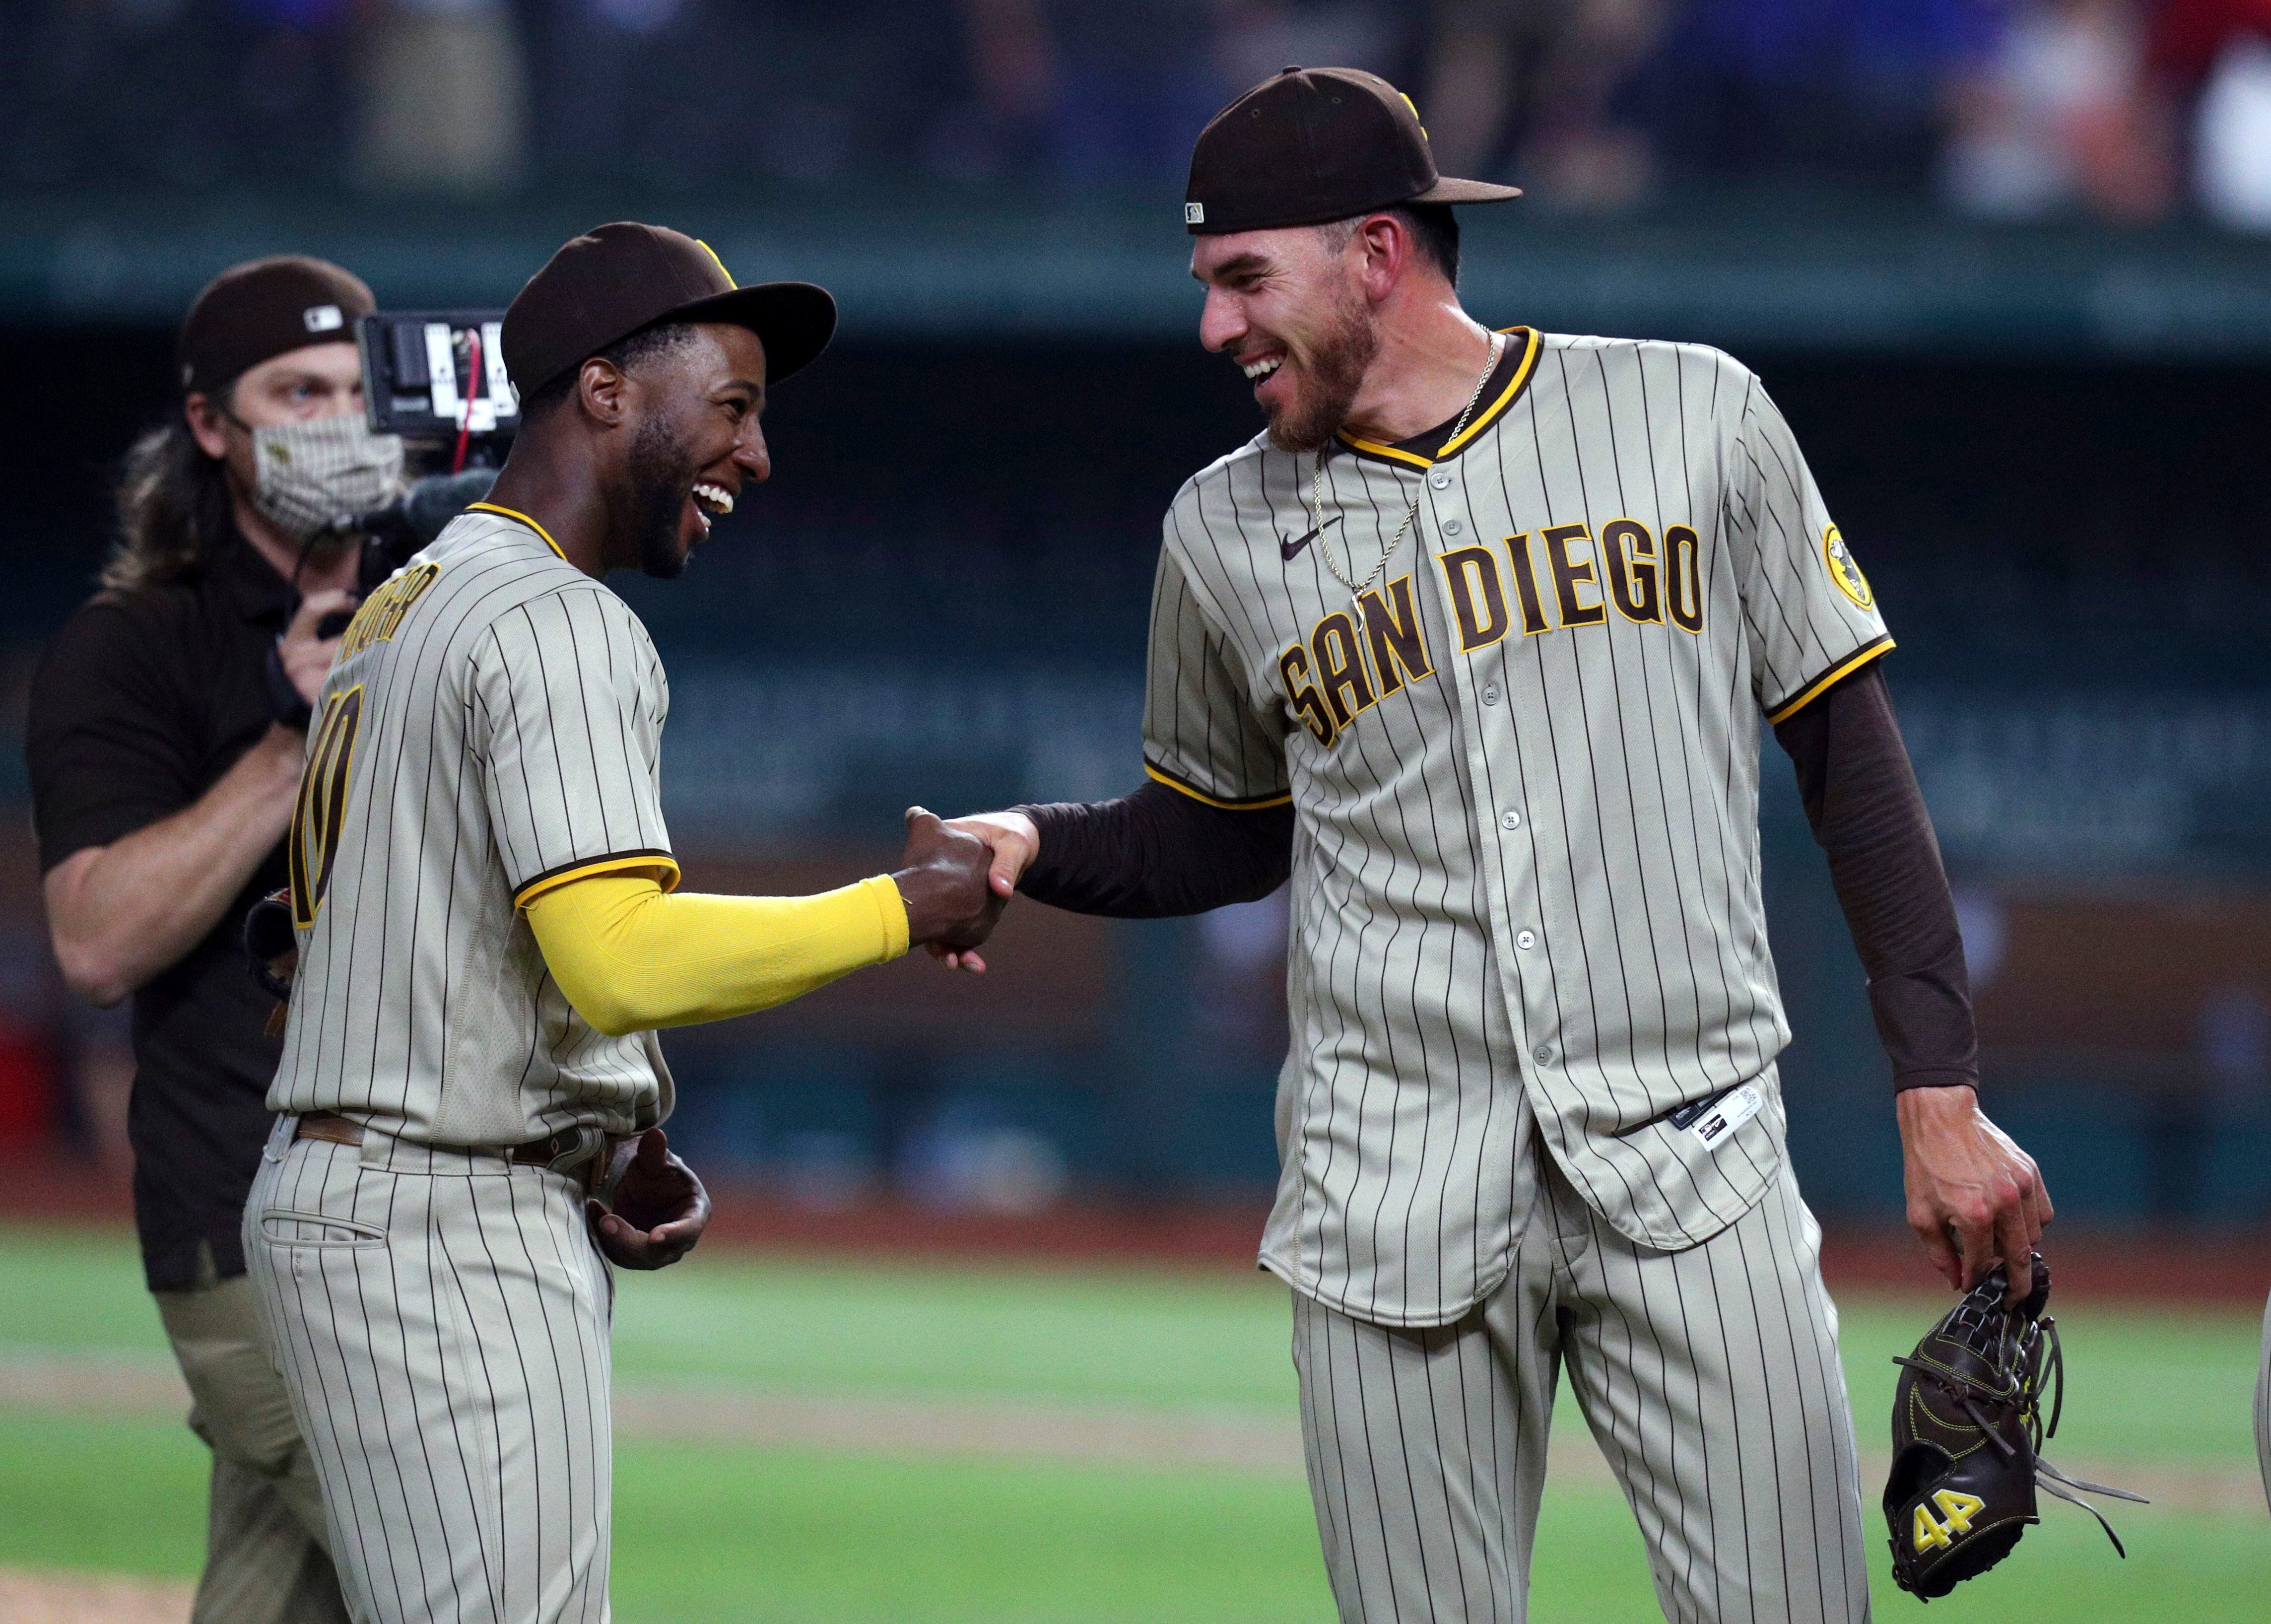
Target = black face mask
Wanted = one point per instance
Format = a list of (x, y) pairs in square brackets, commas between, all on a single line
[(660, 474)]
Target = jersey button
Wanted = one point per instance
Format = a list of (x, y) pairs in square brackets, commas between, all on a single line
[(1509, 820), (1545, 1053), (1452, 527), (1490, 694), (1525, 940), (1440, 479)]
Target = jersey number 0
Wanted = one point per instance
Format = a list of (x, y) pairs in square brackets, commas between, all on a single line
[(323, 805)]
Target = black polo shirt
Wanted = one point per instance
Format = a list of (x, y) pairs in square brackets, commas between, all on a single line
[(141, 702)]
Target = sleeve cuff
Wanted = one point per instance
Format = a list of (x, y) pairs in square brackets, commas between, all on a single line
[(1244, 804), (891, 910), (1907, 1080), (662, 864), (1812, 689)]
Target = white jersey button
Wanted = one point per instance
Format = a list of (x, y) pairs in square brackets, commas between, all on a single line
[(1509, 820), (1490, 694), (1525, 940), (1543, 1052), (1452, 527), (1440, 479)]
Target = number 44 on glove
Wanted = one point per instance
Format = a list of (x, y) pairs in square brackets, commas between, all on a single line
[(1967, 1432), (1956, 1510)]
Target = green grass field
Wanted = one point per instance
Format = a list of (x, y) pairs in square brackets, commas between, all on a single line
[(724, 1530)]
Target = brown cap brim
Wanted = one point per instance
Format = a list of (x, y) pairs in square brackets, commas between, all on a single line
[(793, 320), (1446, 189)]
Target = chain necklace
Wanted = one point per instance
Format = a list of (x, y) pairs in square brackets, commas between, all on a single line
[(1357, 589)]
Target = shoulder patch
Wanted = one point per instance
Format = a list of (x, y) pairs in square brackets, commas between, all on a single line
[(1843, 570)]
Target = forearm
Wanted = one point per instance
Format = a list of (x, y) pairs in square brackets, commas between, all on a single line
[(630, 959), (123, 913), (1861, 798), (1155, 853)]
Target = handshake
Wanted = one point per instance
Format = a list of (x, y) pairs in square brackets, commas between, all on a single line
[(956, 877)]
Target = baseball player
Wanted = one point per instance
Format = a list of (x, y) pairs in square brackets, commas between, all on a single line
[(1474, 642), (488, 937)]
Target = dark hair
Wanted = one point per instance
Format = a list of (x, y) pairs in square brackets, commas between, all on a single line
[(172, 508), (1432, 226), (626, 354)]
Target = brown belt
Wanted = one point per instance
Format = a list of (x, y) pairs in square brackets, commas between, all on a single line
[(334, 1128)]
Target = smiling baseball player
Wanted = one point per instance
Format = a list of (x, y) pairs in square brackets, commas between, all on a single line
[(488, 937), (1475, 643)]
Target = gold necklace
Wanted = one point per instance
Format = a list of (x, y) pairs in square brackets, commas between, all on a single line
[(1356, 590)]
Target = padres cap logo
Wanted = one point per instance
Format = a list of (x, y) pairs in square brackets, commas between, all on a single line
[(1843, 570)]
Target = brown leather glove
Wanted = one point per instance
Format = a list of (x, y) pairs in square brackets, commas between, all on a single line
[(646, 1209), (1967, 1429)]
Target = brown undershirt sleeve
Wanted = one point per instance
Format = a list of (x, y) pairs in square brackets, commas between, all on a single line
[(1155, 853), (1158, 853), (1861, 797)]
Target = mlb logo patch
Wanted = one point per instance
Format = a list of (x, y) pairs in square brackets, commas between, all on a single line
[(322, 318), (1195, 213)]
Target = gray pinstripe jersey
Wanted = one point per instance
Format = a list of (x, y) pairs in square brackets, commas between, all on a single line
[(1525, 867), (492, 727)]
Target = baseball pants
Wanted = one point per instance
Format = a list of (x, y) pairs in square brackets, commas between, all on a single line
[(267, 1549), (2263, 1407), (1709, 1378), (439, 1318)]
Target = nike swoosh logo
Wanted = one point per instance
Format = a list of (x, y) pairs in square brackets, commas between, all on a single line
[(1291, 550)]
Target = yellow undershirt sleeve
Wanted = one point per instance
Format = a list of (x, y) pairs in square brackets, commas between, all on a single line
[(632, 958)]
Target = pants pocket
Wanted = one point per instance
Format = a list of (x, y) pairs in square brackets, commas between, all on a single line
[(285, 1226)]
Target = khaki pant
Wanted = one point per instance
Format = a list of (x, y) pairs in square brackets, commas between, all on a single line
[(267, 1547)]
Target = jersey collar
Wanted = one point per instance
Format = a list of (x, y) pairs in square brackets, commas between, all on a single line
[(1506, 382), (515, 513)]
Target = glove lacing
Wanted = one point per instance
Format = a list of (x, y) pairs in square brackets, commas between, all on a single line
[(2027, 1351)]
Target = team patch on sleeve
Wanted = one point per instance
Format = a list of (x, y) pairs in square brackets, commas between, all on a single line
[(1843, 570)]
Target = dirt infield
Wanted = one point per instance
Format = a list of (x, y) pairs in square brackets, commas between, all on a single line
[(1176, 1438), (29, 1597)]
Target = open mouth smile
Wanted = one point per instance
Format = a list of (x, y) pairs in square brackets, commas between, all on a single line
[(711, 501), (1262, 368)]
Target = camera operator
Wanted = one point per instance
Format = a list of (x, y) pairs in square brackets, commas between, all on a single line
[(165, 747)]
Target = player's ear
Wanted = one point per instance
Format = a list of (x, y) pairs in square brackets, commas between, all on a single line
[(1385, 242), (205, 419), (600, 388)]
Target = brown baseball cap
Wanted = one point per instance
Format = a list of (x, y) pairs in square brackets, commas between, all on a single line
[(1314, 145), (619, 278), (258, 310)]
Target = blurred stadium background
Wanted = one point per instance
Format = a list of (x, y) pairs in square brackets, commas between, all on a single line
[(986, 1350)]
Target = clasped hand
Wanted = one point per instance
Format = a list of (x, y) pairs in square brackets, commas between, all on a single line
[(945, 882), (1012, 842)]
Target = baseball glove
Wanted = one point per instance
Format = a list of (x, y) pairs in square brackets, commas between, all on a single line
[(1967, 1429)]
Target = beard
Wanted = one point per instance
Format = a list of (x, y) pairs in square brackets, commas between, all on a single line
[(1335, 367), (660, 475)]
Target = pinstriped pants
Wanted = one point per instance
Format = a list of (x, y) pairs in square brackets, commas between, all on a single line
[(2263, 1407), (441, 1322), (1708, 1376)]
